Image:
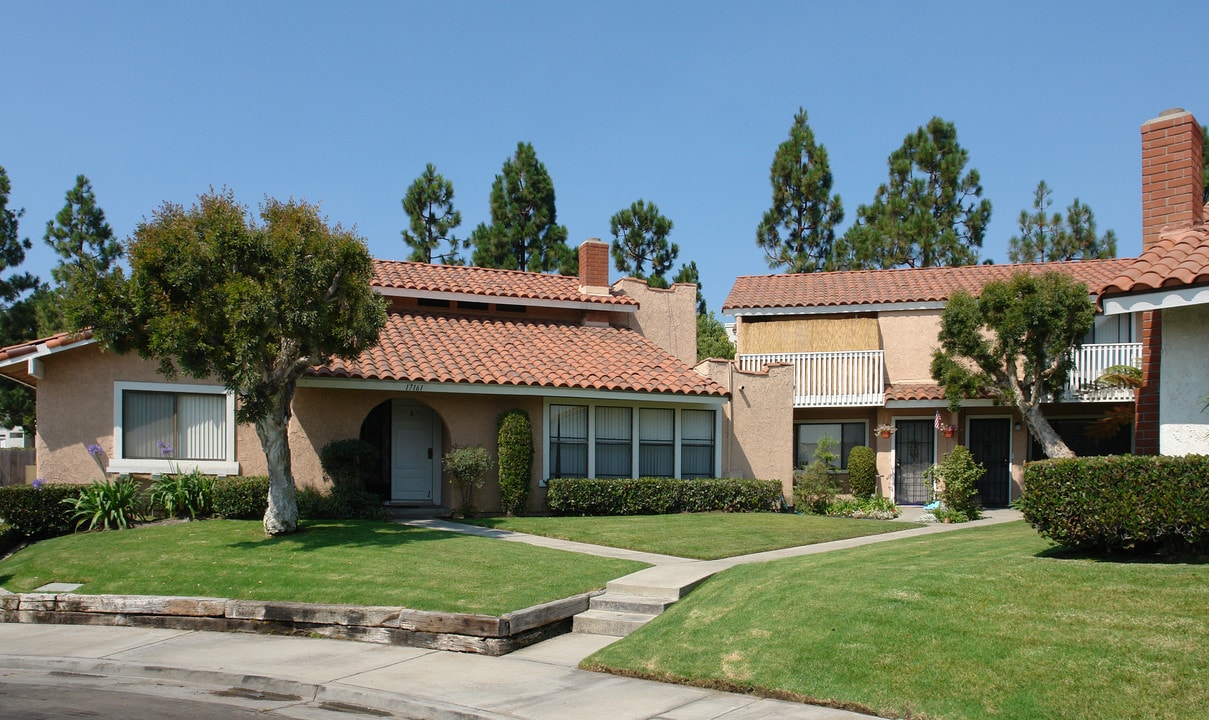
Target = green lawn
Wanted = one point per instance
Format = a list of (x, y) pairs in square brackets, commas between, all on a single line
[(704, 536), (355, 562), (979, 623)]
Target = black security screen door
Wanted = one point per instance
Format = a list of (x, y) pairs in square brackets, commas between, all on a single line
[(914, 449), (991, 445)]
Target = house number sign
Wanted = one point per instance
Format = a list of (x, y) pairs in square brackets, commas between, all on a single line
[(413, 387)]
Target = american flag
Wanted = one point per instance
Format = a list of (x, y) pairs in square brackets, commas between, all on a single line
[(939, 423)]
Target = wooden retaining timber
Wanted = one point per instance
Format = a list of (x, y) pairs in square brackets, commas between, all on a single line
[(482, 634)]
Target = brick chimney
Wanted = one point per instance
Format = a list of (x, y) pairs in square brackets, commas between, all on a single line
[(1172, 183), (594, 267)]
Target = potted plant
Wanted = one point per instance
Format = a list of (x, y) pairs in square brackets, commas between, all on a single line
[(885, 430), (949, 430)]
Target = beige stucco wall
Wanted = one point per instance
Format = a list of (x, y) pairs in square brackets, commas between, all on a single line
[(667, 318), (1184, 381), (909, 339), (757, 424)]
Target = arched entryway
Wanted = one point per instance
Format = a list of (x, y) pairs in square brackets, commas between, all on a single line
[(408, 437)]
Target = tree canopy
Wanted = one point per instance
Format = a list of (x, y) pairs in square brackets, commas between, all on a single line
[(798, 231), (930, 213), (432, 218), (640, 246), (1046, 237), (712, 341), (18, 318), (84, 242), (1013, 344), (524, 233), (214, 293)]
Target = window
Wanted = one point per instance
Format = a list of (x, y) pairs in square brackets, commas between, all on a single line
[(656, 442), (568, 441), (697, 444), (161, 427), (1111, 329), (846, 435), (614, 447)]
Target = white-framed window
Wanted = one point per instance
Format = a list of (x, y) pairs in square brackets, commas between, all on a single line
[(847, 434), (169, 427), (622, 440)]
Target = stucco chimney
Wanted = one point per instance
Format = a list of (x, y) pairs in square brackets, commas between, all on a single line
[(594, 267), (1172, 183)]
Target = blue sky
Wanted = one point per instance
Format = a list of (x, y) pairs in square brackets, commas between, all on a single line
[(678, 103)]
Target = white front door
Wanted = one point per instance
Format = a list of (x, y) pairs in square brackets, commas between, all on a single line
[(415, 454)]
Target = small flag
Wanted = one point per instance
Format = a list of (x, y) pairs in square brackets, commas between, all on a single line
[(939, 424)]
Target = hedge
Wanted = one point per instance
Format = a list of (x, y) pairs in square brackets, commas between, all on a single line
[(241, 498), (39, 512), (1128, 502), (660, 496)]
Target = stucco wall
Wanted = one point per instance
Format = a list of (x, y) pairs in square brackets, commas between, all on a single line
[(757, 424), (908, 339), (667, 318), (1183, 427)]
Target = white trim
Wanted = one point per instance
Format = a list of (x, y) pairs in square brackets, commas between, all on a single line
[(506, 300), (1156, 300), (834, 309), (41, 350), (119, 464), (636, 396)]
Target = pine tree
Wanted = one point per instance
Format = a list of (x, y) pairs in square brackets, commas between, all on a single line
[(85, 243), (798, 231), (1046, 238), (429, 207), (930, 213), (18, 319), (524, 233), (640, 242)]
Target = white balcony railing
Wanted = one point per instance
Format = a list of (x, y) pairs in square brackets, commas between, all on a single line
[(1090, 362), (850, 378)]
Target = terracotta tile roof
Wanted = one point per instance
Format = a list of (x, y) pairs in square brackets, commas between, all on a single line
[(914, 391), (54, 341), (487, 282), (909, 285), (1180, 258), (490, 351)]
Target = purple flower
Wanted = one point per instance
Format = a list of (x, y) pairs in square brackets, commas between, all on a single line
[(95, 450), (164, 448), (38, 483)]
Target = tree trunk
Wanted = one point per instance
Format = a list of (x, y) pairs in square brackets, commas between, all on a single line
[(281, 517), (1040, 428)]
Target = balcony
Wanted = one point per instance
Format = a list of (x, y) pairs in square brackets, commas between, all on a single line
[(1090, 362), (851, 378)]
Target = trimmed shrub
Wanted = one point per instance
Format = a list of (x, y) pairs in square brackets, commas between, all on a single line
[(241, 498), (317, 505), (660, 496), (1124, 503), (466, 467), (10, 537), (862, 472), (515, 450), (37, 511), (346, 463)]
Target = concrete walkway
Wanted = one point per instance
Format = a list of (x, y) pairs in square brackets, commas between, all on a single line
[(318, 678)]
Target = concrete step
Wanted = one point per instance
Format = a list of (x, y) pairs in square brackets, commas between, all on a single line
[(641, 604), (608, 622), (671, 583)]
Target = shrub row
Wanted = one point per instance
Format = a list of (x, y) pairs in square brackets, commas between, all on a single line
[(1138, 503), (241, 498), (660, 496), (39, 512)]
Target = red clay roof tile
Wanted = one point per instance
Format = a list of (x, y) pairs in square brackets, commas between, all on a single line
[(488, 282), (1180, 258), (914, 391), (490, 351), (908, 285)]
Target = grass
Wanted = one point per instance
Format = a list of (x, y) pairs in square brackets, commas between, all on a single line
[(347, 562), (703, 536), (981, 623)]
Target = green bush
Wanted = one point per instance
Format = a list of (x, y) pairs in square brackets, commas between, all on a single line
[(1123, 503), (241, 498), (317, 505), (814, 486), (106, 504), (515, 450), (10, 537), (959, 474), (37, 511), (872, 508), (182, 494), (347, 462), (660, 496), (466, 467), (862, 471)]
